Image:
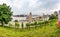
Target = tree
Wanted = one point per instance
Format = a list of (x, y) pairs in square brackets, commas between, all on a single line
[(16, 24), (35, 24), (28, 26), (22, 25), (5, 14), (52, 16)]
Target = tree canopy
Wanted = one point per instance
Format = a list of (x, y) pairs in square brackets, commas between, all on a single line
[(5, 13), (52, 16)]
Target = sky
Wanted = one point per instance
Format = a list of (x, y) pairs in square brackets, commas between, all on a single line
[(36, 7)]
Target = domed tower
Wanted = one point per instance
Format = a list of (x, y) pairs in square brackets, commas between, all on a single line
[(30, 17)]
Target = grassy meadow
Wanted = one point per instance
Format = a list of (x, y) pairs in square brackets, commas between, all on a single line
[(50, 30)]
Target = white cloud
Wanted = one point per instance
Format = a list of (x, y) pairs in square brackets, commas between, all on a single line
[(34, 3), (8, 2), (58, 6), (18, 5), (15, 3)]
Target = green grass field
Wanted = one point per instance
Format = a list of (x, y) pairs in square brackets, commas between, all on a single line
[(50, 30)]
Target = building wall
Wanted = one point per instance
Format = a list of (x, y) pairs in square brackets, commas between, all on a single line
[(18, 18)]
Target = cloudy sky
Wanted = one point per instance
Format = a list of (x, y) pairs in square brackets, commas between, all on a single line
[(34, 6)]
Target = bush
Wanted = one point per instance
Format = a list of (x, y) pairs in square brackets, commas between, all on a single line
[(10, 25), (32, 24), (53, 17), (46, 21), (16, 24), (16, 20), (35, 24), (28, 26)]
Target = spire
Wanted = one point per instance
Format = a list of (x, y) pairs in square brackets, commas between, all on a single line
[(30, 13)]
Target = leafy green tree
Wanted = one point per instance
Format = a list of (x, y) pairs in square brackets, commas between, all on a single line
[(35, 24), (28, 26), (52, 16), (16, 24), (5, 14), (40, 24), (22, 25), (46, 22)]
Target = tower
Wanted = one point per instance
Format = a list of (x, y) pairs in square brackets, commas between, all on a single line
[(30, 17)]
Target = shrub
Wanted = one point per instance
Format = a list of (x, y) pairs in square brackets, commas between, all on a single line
[(35, 24), (16, 24), (32, 24), (53, 17), (28, 26), (46, 22), (10, 25), (16, 20)]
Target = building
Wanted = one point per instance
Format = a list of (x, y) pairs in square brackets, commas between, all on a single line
[(29, 18), (45, 17), (20, 18)]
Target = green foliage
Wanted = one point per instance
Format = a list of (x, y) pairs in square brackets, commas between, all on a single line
[(28, 26), (3, 23), (46, 31), (16, 24), (10, 25), (32, 24), (53, 17), (5, 13), (16, 20), (46, 22), (22, 25), (35, 24)]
